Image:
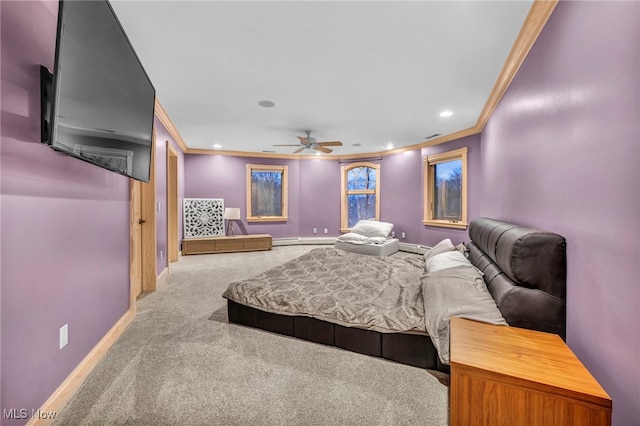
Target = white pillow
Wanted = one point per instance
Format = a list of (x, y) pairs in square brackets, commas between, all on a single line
[(446, 260), (372, 228), (442, 247), (352, 237)]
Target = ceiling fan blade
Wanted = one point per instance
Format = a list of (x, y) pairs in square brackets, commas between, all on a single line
[(287, 145), (299, 150), (331, 143), (304, 141), (323, 149)]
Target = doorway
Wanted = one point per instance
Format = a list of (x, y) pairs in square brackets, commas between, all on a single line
[(172, 204)]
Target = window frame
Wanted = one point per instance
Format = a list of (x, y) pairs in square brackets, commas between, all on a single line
[(285, 193), (429, 188), (345, 192)]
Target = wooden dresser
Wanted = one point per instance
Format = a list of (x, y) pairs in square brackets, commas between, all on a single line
[(226, 244), (512, 376)]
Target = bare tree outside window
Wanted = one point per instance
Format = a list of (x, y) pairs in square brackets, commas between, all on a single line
[(361, 194), (448, 190), (266, 193), (445, 189)]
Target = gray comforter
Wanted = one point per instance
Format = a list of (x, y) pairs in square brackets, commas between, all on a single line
[(376, 293)]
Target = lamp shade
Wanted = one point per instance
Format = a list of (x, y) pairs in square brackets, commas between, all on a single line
[(232, 213)]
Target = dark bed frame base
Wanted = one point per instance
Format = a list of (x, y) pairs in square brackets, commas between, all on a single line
[(410, 349)]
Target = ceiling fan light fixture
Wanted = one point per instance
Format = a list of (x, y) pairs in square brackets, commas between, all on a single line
[(266, 103), (311, 143)]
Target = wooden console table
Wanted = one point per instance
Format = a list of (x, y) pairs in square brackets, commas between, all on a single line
[(512, 376), (226, 244)]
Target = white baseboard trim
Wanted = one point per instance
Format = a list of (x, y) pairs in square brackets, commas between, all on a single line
[(408, 247), (413, 248), (285, 242), (303, 241)]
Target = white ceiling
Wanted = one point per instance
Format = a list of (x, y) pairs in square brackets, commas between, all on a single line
[(368, 73)]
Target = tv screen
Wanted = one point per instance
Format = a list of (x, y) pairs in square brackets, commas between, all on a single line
[(103, 102)]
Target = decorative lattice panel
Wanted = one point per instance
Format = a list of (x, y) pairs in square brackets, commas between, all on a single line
[(203, 217)]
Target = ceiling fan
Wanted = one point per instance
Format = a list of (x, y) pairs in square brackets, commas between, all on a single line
[(310, 143)]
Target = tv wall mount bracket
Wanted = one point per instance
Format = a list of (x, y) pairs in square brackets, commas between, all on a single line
[(46, 97)]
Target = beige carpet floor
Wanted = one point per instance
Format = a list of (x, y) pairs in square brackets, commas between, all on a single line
[(181, 363)]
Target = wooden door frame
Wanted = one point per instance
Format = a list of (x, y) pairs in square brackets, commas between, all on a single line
[(148, 194), (135, 241), (172, 204), (144, 194)]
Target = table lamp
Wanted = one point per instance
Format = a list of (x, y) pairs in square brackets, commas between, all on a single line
[(231, 214)]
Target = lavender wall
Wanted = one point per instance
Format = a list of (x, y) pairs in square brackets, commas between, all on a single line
[(431, 235), (401, 194), (64, 228), (314, 192), (216, 176), (319, 198), (561, 153)]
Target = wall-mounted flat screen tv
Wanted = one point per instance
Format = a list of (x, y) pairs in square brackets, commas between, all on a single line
[(100, 99)]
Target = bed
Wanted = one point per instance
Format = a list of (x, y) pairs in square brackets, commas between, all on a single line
[(522, 269)]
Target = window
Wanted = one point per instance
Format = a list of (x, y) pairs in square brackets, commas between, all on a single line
[(360, 194), (267, 193), (445, 183)]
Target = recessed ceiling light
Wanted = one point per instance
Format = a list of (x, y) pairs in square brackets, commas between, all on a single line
[(266, 104), (318, 153), (217, 146), (446, 114), (389, 145)]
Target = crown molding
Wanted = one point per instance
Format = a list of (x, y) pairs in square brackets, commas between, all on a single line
[(164, 118), (535, 21)]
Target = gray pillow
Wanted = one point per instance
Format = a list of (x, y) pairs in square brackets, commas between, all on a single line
[(442, 247), (455, 292)]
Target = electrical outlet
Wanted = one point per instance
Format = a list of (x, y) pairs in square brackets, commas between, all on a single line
[(315, 230), (161, 255), (64, 335), (393, 234), (403, 235), (326, 230)]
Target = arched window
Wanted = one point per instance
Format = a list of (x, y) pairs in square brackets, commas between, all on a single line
[(360, 194)]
